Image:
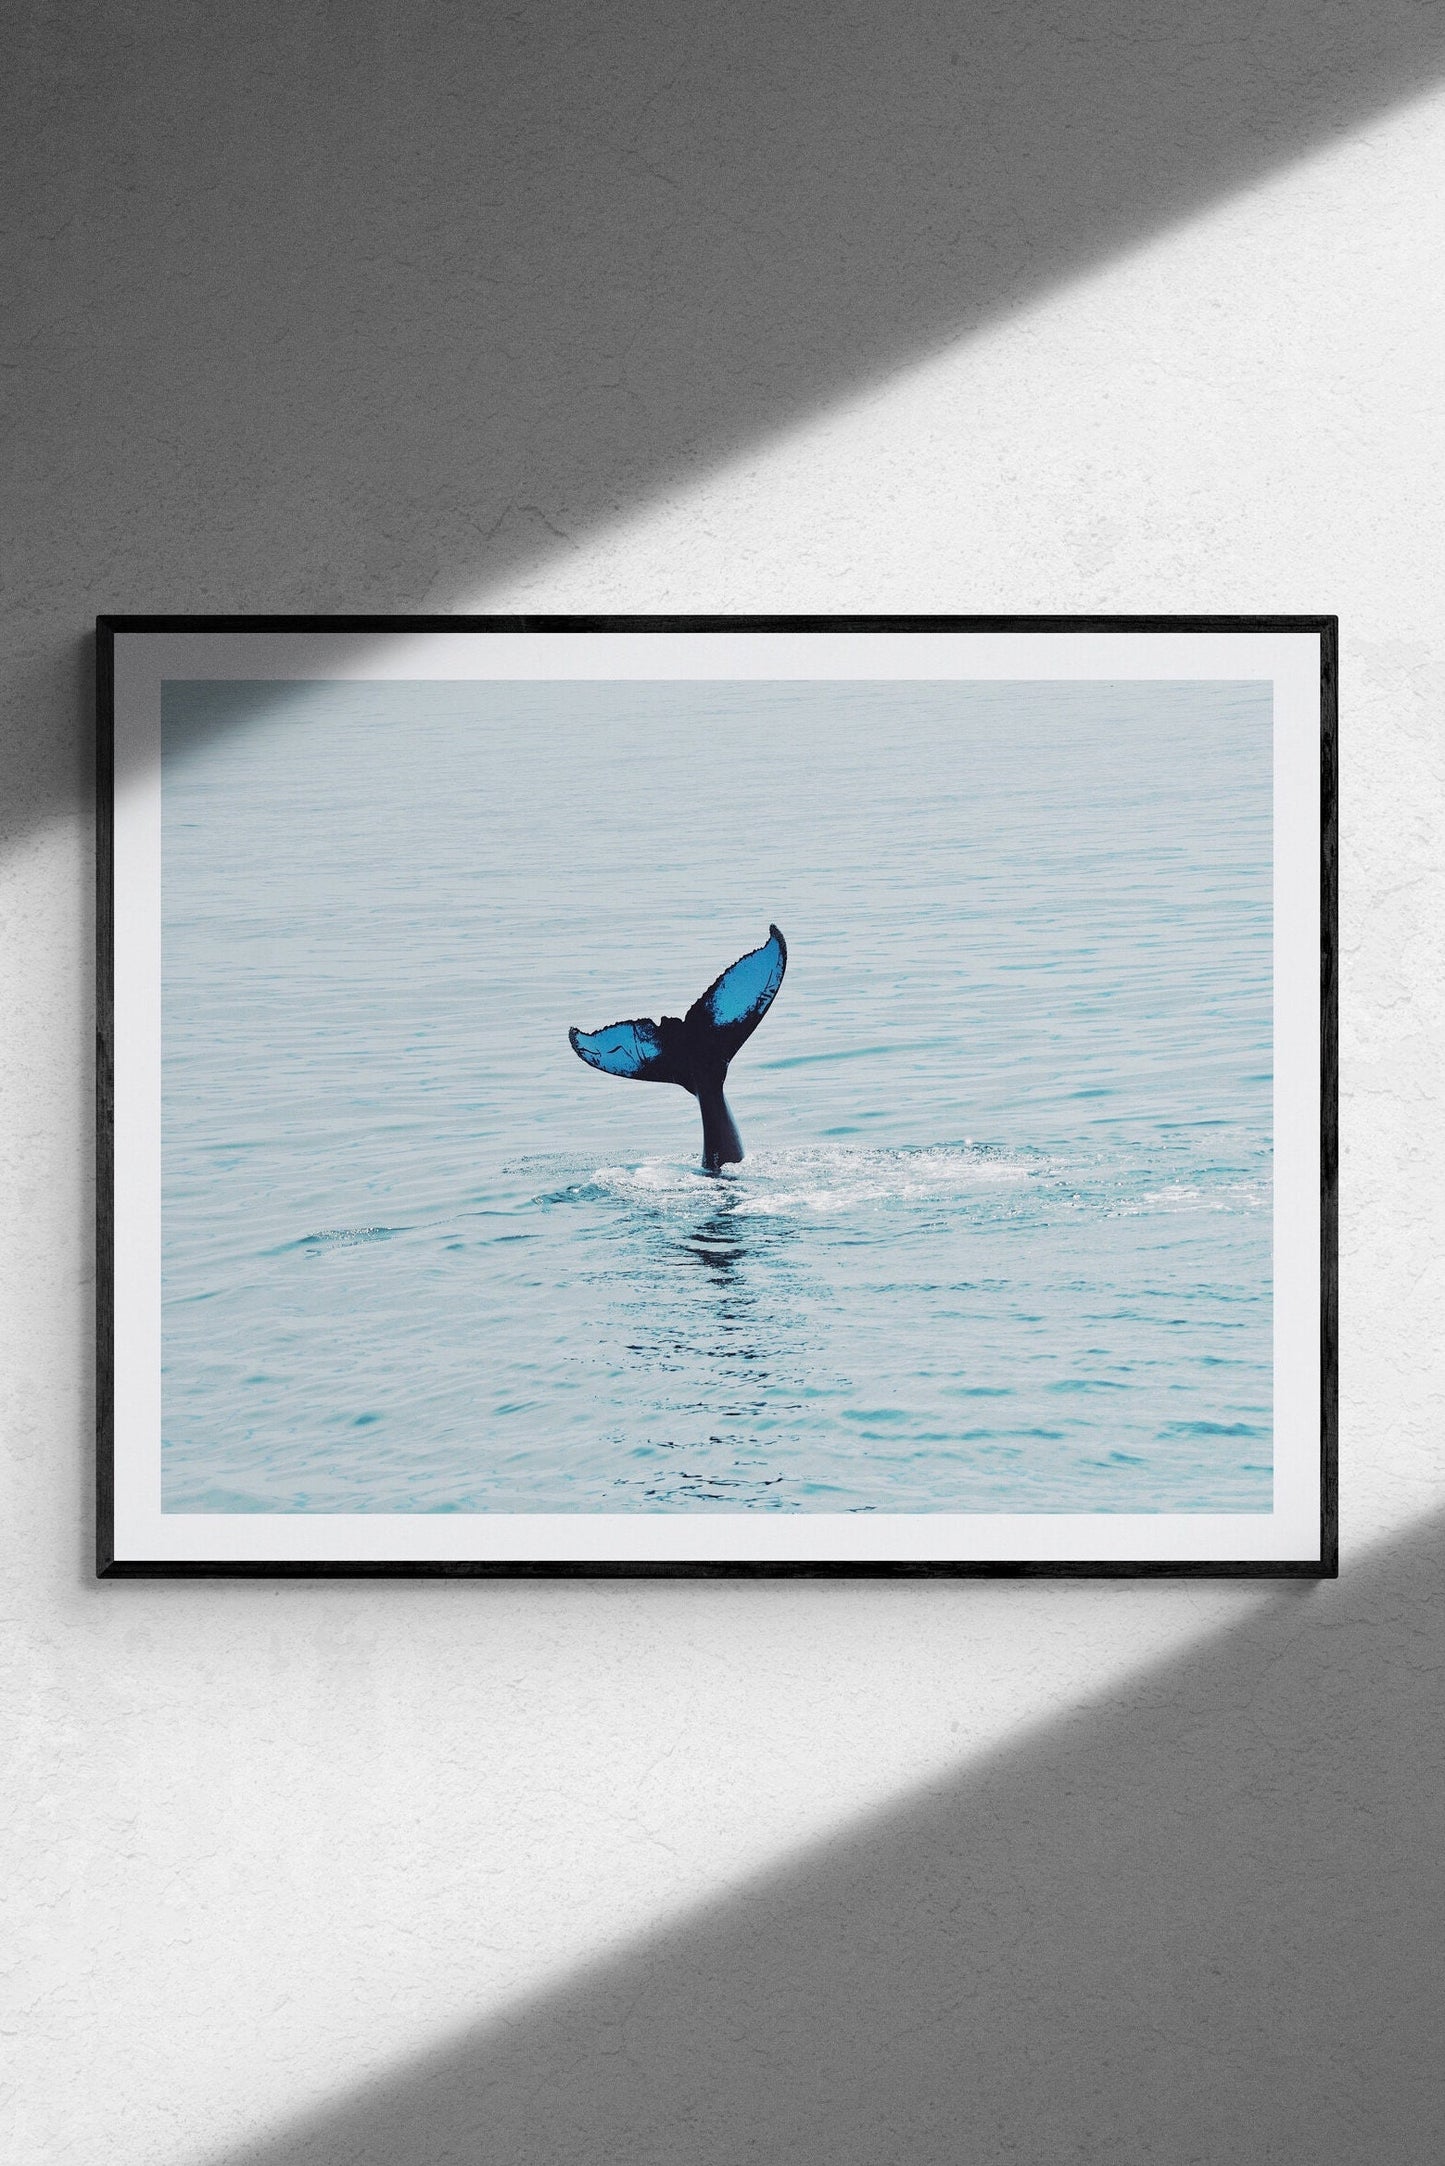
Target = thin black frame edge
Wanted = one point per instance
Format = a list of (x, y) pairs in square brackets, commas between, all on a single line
[(1329, 1100), (1324, 626), (105, 1559), (727, 1568)]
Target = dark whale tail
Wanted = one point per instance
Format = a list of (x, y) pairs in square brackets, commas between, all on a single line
[(694, 1050)]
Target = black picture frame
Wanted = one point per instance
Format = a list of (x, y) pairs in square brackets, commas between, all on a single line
[(120, 638)]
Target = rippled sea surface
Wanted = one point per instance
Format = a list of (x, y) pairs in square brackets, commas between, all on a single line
[(1001, 1241)]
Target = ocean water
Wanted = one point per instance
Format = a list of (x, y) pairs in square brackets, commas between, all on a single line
[(1002, 1239)]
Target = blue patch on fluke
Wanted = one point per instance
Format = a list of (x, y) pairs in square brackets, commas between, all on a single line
[(746, 989)]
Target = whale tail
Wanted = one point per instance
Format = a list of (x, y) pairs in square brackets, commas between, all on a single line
[(694, 1050)]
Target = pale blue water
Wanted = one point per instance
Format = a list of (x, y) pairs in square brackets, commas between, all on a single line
[(1002, 1238)]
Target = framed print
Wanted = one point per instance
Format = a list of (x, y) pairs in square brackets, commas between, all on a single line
[(717, 1095)]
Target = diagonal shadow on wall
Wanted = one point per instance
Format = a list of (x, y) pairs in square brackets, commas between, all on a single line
[(1201, 1921), (365, 306)]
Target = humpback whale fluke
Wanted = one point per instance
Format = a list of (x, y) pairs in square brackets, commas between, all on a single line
[(694, 1050)]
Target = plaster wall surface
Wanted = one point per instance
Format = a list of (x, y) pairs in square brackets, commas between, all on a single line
[(945, 306)]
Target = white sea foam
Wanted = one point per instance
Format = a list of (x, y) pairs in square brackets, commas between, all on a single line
[(829, 1178)]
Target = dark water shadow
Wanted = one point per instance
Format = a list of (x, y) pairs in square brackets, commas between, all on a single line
[(1200, 1920), (713, 1296), (364, 308), (718, 1245)]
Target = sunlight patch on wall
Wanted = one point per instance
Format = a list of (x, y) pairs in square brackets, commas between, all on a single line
[(1177, 431)]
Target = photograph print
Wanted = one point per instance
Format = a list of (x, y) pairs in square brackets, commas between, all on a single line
[(716, 1095)]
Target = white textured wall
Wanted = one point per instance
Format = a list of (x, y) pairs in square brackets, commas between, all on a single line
[(948, 307)]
